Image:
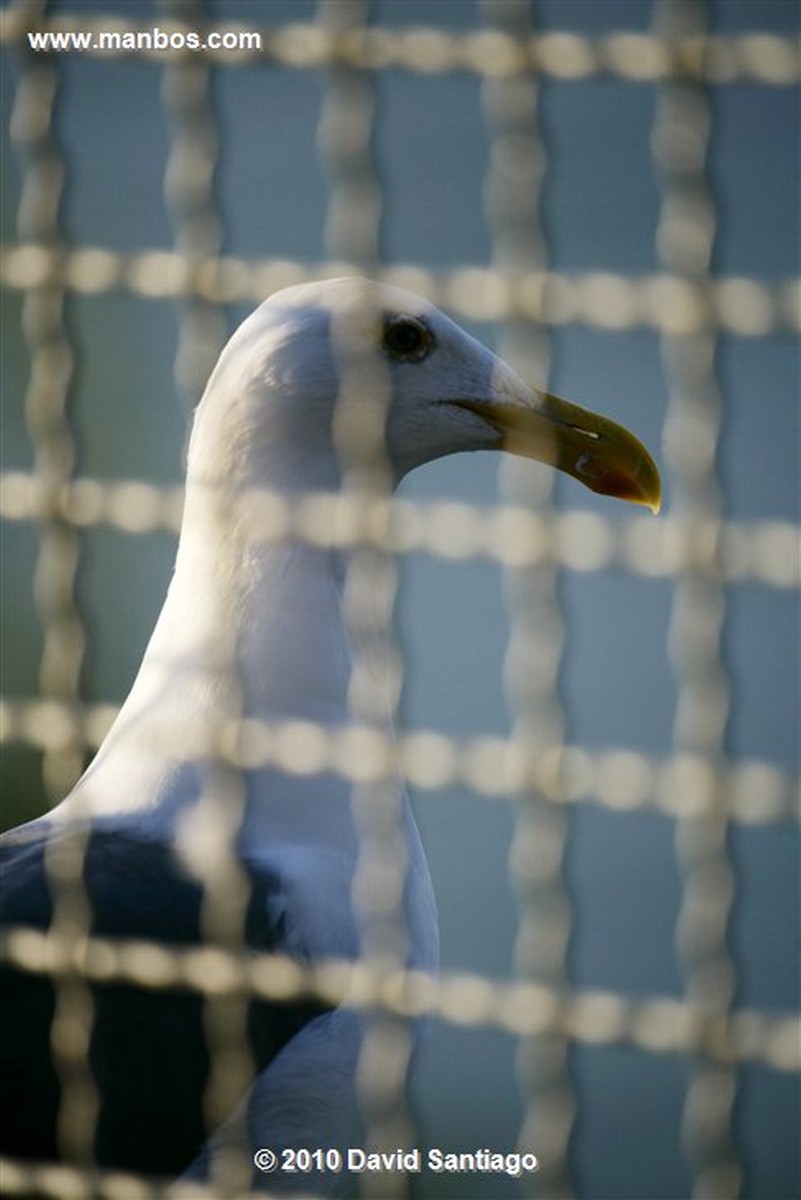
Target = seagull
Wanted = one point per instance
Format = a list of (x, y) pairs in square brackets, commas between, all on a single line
[(256, 630)]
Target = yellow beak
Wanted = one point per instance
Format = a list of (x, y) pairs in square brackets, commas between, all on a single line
[(602, 455)]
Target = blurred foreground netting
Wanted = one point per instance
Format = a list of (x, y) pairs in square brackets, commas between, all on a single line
[(699, 548)]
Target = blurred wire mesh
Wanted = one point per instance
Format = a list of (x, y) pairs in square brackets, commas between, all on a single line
[(738, 1052)]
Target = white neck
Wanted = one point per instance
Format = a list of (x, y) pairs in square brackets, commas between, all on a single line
[(258, 623), (247, 630)]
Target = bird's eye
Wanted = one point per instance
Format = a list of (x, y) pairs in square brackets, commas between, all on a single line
[(406, 339)]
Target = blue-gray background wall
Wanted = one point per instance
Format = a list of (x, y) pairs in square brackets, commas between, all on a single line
[(601, 204)]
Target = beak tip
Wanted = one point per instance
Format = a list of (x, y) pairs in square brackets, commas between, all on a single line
[(643, 500), (653, 498), (653, 501)]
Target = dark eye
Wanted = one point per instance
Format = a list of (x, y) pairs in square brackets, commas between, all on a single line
[(406, 339)]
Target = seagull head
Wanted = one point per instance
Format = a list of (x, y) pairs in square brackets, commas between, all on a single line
[(407, 377)]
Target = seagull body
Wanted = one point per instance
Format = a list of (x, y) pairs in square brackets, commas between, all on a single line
[(258, 630)]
